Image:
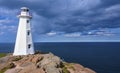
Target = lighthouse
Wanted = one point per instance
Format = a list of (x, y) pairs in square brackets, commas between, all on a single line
[(24, 44)]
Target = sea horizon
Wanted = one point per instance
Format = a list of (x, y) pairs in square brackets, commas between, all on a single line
[(103, 57), (75, 42)]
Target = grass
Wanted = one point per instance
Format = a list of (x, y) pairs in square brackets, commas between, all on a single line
[(11, 65), (17, 58), (3, 70), (69, 65), (65, 70), (66, 66), (2, 55)]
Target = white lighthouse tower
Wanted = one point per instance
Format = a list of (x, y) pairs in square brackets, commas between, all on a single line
[(24, 44)]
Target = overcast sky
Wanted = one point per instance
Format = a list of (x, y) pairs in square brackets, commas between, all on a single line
[(63, 20)]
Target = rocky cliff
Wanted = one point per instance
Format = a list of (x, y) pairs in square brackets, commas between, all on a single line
[(39, 63)]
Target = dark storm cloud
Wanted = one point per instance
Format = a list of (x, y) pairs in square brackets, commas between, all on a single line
[(70, 15), (110, 2)]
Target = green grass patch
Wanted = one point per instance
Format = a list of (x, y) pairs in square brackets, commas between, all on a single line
[(64, 67), (9, 66), (2, 55), (3, 70), (65, 70), (69, 65)]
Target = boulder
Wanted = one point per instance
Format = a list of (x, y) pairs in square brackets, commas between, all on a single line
[(50, 63)]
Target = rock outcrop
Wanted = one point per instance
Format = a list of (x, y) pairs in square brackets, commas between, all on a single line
[(39, 63)]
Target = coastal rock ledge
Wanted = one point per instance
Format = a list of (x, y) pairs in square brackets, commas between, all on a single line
[(39, 63)]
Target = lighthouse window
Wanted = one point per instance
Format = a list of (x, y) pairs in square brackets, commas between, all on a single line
[(29, 46), (28, 33), (27, 21), (25, 10)]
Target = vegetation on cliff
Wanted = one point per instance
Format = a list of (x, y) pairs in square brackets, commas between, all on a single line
[(2, 55), (39, 63)]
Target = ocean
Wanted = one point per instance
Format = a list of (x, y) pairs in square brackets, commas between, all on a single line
[(102, 57)]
